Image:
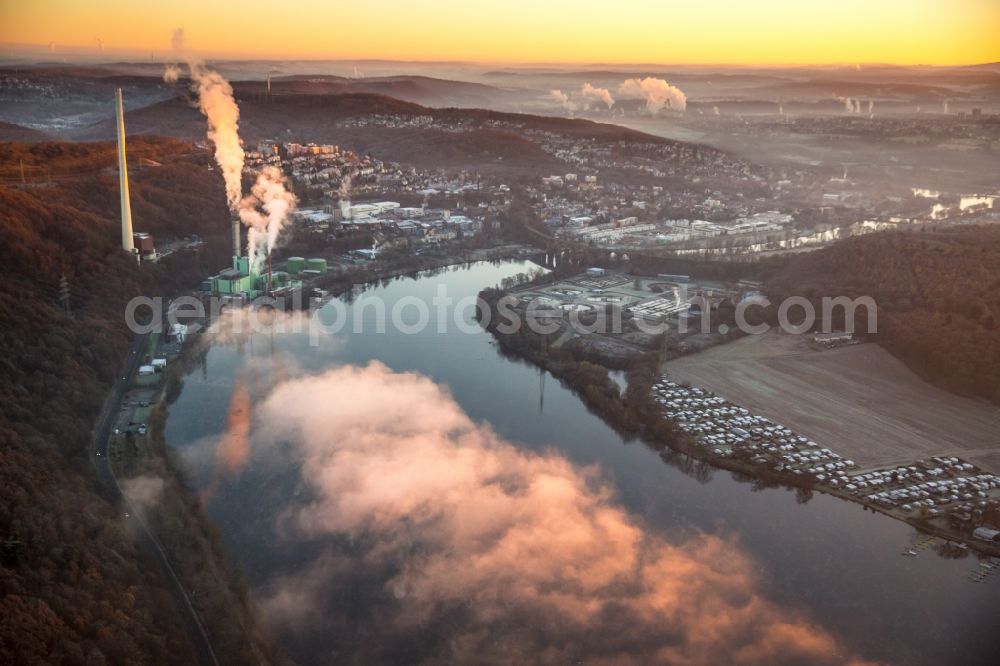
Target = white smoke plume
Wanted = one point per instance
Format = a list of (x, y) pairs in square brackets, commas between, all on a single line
[(597, 94), (563, 100), (944, 108), (871, 106), (265, 211), (658, 93), (715, 109), (344, 195), (851, 105), (216, 102), (172, 73)]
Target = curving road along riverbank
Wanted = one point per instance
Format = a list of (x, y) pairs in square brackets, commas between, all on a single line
[(102, 463)]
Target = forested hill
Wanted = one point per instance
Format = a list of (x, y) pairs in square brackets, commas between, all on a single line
[(409, 134), (12, 132), (938, 296), (74, 586)]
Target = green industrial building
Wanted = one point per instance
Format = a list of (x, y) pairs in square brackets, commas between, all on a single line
[(244, 281)]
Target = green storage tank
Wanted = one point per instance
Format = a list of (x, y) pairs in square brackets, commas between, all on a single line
[(295, 265), (316, 265)]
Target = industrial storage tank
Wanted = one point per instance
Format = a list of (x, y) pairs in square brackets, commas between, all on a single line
[(295, 265), (318, 265)]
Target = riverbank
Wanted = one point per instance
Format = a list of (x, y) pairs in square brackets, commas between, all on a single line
[(210, 586), (154, 479), (820, 558), (635, 412)]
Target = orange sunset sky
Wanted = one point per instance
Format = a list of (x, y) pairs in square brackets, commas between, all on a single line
[(742, 32)]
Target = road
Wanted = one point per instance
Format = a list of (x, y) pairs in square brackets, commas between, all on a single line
[(99, 454)]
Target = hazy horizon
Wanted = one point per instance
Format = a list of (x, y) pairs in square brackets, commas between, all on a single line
[(39, 54), (765, 33)]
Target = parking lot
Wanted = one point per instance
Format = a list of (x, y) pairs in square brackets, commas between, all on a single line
[(858, 400), (130, 427), (949, 489)]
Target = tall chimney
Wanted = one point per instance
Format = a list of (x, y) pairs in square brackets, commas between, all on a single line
[(236, 235), (127, 243)]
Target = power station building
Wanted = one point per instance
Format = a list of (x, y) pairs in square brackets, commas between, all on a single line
[(237, 280), (245, 282), (144, 245), (242, 280)]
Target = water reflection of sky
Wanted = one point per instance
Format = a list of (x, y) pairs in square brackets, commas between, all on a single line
[(452, 511)]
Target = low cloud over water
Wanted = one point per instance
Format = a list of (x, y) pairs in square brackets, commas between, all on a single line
[(431, 538)]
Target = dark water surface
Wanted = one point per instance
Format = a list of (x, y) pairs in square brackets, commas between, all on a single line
[(339, 582)]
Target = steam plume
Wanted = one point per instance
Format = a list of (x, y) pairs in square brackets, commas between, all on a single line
[(172, 73), (851, 105), (344, 195), (658, 93), (563, 100), (216, 102), (265, 211), (597, 94)]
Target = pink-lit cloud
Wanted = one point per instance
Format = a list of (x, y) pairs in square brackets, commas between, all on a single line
[(563, 100), (658, 94), (593, 93), (482, 551)]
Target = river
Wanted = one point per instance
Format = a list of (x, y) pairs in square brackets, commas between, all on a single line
[(396, 497)]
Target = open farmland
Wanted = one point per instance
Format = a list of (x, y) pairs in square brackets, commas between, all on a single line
[(857, 400)]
